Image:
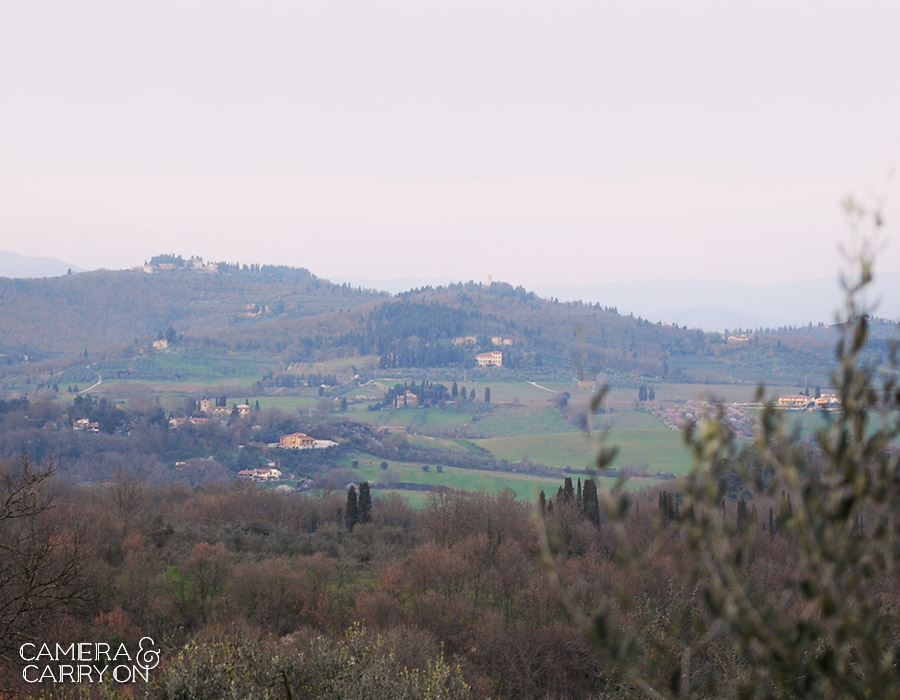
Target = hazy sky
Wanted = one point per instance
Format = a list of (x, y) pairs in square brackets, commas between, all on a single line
[(537, 142)]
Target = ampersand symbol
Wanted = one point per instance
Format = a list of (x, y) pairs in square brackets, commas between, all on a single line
[(147, 656)]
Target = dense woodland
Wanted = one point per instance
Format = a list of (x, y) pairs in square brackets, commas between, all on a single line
[(285, 595)]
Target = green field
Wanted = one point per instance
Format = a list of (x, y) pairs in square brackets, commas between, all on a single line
[(426, 420), (512, 420), (452, 444), (526, 486), (653, 448)]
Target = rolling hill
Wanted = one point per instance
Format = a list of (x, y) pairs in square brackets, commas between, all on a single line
[(286, 316)]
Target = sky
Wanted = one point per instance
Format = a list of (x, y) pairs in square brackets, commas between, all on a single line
[(535, 142)]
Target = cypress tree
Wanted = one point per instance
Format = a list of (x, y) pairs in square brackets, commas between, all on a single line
[(568, 490), (365, 503), (351, 515), (542, 502), (741, 513), (591, 501)]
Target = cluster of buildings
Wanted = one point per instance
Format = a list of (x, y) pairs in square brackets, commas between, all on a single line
[(801, 401), (211, 411), (291, 441), (243, 409), (195, 263), (180, 421), (267, 474)]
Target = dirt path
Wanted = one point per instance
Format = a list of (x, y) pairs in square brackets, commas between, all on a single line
[(543, 387), (93, 386)]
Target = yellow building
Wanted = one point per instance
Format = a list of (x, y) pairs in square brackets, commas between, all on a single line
[(494, 358)]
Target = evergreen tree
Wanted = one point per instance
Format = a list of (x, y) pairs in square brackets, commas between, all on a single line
[(454, 391), (487, 394), (651, 395), (642, 393), (568, 490), (741, 513), (365, 503), (351, 515), (542, 502), (591, 501)]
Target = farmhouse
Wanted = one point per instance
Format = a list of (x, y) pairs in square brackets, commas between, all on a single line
[(269, 474), (406, 400), (494, 358), (83, 424), (297, 441), (826, 401), (793, 401)]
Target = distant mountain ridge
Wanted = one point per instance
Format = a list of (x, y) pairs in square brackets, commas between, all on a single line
[(23, 267), (712, 306), (717, 306)]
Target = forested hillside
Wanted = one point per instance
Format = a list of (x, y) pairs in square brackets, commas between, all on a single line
[(103, 309), (288, 315)]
